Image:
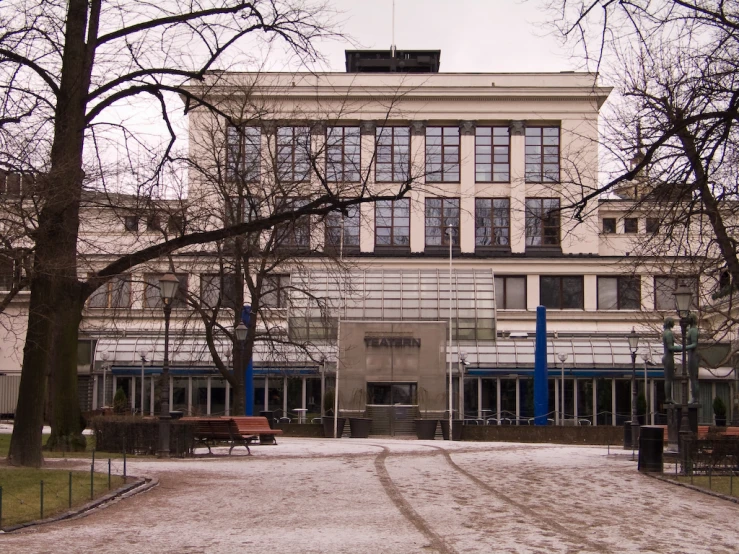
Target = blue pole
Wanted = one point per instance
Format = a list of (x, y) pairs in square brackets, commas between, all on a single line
[(541, 384), (249, 374)]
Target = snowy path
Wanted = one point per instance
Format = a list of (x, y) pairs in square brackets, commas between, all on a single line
[(380, 495)]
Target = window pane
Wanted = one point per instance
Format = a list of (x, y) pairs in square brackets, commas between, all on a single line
[(607, 293)]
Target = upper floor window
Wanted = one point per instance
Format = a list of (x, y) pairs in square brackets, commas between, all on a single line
[(393, 154), (294, 233), (7, 272), (664, 291), (349, 223), (542, 222), (561, 292), (492, 155), (631, 225), (241, 209), (492, 221), (116, 293), (393, 222), (343, 154), (218, 289), (442, 214), (293, 154), (243, 153), (442, 154), (510, 292), (619, 293), (131, 223), (152, 296), (542, 154), (275, 291), (609, 225), (652, 225)]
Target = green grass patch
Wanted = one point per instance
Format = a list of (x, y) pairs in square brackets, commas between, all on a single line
[(21, 492), (724, 484)]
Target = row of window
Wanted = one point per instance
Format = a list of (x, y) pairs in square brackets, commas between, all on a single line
[(631, 225), (555, 292), (393, 154)]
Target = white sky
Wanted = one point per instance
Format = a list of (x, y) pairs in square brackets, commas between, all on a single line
[(473, 35)]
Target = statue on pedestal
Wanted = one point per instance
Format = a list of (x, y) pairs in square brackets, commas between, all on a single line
[(691, 347), (668, 358)]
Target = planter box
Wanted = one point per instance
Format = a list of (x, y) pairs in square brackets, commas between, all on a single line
[(456, 429), (328, 426), (359, 427), (426, 429)]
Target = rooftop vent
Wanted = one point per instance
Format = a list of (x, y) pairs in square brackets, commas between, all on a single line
[(392, 61)]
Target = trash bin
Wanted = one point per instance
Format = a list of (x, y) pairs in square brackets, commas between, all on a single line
[(651, 446), (627, 436), (270, 415)]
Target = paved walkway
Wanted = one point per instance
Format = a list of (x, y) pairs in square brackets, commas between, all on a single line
[(391, 496)]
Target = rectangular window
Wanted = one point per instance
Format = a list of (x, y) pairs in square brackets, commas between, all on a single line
[(492, 155), (116, 293), (240, 209), (336, 221), (393, 154), (542, 155), (131, 223), (293, 154), (295, 233), (219, 290), (542, 222), (664, 291), (442, 154), (7, 273), (510, 292), (343, 154), (441, 214), (619, 293), (492, 221), (609, 225), (152, 296), (243, 153), (652, 225), (393, 222), (275, 291), (561, 293), (312, 328), (153, 222), (631, 225)]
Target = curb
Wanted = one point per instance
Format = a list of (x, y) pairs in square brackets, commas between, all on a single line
[(142, 484), (660, 477)]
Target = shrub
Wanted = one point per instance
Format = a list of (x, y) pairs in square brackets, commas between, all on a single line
[(719, 408), (120, 402), (140, 436), (328, 401)]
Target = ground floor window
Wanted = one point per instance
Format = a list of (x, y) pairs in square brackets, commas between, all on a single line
[(392, 393)]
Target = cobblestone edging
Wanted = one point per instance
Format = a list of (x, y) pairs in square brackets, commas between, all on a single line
[(659, 477), (141, 484)]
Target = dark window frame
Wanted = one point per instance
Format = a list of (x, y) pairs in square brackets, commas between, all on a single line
[(550, 220), (131, 223), (151, 281), (336, 172), (631, 221), (652, 225), (296, 233), (399, 169), (446, 205), (397, 240), (226, 288), (247, 151), (336, 221), (290, 145), (278, 284), (112, 294), (489, 231), (611, 223), (504, 294), (560, 286), (678, 280), (533, 159), (484, 160), (445, 173), (623, 284)]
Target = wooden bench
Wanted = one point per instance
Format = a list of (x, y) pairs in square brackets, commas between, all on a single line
[(257, 426), (702, 431), (218, 429), (731, 432)]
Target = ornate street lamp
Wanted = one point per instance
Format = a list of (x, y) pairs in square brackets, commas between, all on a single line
[(168, 286), (240, 333), (633, 347), (104, 356), (683, 300)]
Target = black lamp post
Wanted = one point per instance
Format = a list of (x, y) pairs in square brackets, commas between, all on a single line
[(683, 299), (633, 346), (168, 286), (240, 332)]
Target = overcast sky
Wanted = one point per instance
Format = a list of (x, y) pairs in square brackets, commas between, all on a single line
[(473, 35)]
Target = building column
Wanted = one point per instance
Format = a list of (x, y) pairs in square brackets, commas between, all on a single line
[(467, 186), (418, 167), (518, 186), (532, 292), (613, 402)]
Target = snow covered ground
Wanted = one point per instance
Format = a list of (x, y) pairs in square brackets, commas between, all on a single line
[(396, 496)]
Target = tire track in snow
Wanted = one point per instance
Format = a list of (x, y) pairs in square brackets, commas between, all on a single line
[(404, 507), (536, 516)]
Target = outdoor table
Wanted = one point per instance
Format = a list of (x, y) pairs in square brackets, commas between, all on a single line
[(301, 414)]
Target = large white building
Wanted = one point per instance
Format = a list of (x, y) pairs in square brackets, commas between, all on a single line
[(495, 159)]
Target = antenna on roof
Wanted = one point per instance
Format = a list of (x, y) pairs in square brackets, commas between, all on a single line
[(392, 45)]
